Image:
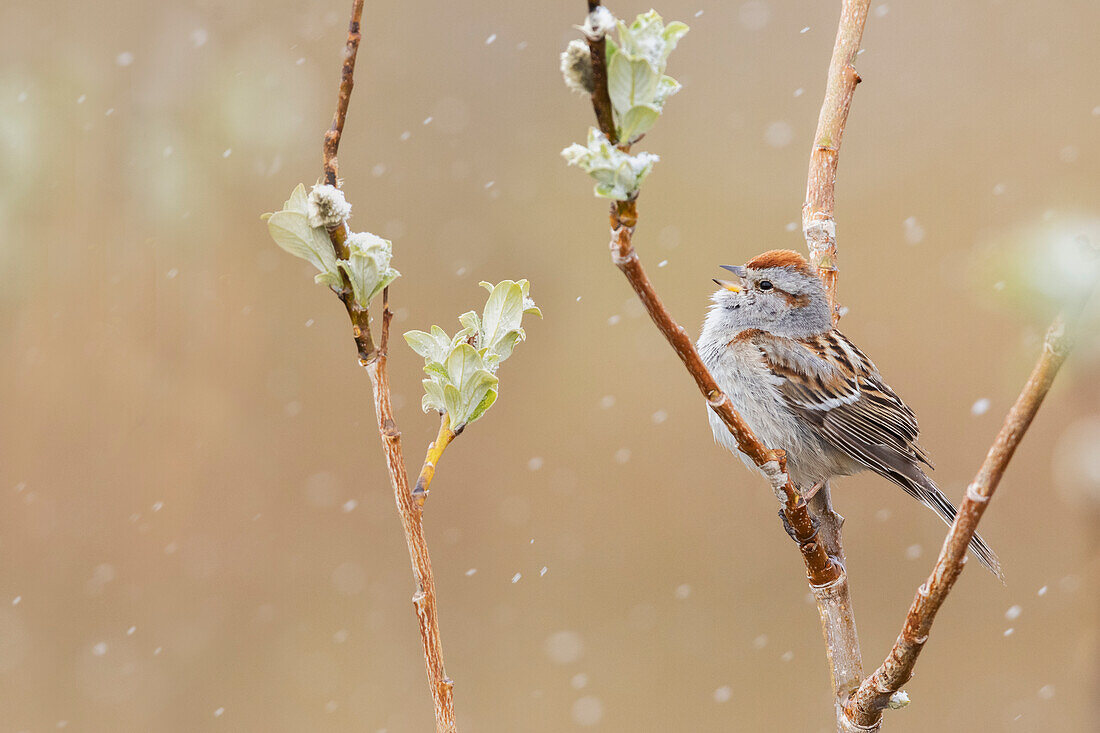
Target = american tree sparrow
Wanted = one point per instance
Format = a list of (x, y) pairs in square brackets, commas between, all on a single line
[(802, 386)]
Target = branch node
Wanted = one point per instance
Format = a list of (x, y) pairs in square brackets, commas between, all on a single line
[(973, 493), (622, 259)]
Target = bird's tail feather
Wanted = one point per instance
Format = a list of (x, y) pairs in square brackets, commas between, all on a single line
[(934, 499)]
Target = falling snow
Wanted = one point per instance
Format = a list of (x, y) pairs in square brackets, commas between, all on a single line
[(914, 232), (779, 134), (588, 711), (754, 15), (564, 647)]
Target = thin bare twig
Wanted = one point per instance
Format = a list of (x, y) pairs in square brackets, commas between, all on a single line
[(374, 359), (818, 225), (834, 602), (865, 706), (347, 83)]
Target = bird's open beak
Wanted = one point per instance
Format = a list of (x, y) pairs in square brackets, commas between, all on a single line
[(732, 286)]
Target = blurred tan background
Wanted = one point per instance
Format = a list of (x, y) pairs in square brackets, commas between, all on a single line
[(197, 530)]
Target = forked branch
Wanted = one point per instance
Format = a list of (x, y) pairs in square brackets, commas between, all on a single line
[(865, 706), (374, 359), (834, 602)]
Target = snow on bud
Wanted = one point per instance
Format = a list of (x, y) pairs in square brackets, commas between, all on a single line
[(368, 266), (576, 67), (618, 175), (327, 206), (898, 700), (291, 230), (598, 23)]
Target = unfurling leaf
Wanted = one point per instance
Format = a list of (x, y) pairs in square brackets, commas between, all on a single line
[(461, 370), (368, 266), (618, 175), (291, 230)]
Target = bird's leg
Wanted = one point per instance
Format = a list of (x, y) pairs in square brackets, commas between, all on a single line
[(812, 491), (821, 507)]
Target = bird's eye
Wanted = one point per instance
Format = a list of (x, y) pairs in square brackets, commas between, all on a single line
[(764, 285)]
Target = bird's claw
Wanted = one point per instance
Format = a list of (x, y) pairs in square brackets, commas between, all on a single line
[(791, 530)]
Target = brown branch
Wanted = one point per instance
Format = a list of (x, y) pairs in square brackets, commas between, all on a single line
[(347, 82), (442, 687), (865, 706), (818, 225), (834, 602), (374, 359), (820, 568), (601, 97)]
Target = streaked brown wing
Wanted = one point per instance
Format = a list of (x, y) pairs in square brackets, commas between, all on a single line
[(829, 382)]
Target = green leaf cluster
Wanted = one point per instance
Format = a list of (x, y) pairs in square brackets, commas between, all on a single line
[(636, 77), (368, 264), (461, 369), (618, 175)]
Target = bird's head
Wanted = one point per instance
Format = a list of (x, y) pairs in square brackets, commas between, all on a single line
[(777, 292)]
